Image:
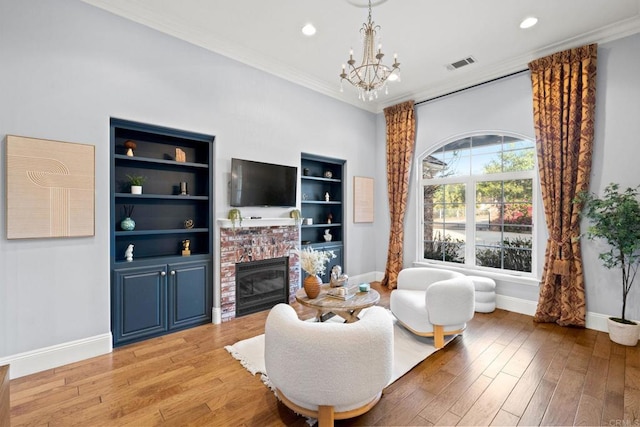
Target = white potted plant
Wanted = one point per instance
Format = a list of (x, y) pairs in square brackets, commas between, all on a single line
[(136, 182), (615, 218)]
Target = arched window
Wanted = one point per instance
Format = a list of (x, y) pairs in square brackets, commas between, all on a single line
[(477, 202)]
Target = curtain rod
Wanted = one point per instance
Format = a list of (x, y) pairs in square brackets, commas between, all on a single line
[(515, 73)]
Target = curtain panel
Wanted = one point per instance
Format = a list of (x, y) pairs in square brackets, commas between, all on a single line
[(401, 130), (564, 96)]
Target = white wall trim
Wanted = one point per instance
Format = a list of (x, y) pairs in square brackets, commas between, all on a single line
[(595, 321), (45, 358)]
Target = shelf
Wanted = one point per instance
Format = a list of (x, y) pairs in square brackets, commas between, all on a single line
[(125, 158), (166, 259), (333, 224), (321, 202), (320, 178), (158, 232), (323, 244), (160, 197)]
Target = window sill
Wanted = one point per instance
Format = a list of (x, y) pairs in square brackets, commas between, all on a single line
[(512, 278)]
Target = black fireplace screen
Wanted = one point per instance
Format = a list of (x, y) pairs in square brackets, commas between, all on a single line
[(261, 284)]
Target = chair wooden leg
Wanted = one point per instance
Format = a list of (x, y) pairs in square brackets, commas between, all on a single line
[(325, 416), (438, 336)]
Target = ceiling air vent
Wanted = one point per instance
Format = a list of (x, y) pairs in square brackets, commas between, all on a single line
[(461, 63)]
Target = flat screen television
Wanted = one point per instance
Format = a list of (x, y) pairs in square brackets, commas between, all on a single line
[(262, 184)]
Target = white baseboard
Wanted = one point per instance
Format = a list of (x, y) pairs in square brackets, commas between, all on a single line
[(45, 358), (595, 321), (373, 276)]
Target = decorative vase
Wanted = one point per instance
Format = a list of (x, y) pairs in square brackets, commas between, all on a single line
[(128, 224), (136, 189), (312, 285), (622, 333)]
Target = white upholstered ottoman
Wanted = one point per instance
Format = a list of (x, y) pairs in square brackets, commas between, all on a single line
[(485, 294)]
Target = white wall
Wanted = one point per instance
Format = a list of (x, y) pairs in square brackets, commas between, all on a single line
[(506, 105), (68, 67)]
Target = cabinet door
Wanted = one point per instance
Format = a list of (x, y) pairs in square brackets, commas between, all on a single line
[(190, 294), (139, 303), (337, 251)]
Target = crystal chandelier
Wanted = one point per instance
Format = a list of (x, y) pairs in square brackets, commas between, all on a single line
[(371, 75)]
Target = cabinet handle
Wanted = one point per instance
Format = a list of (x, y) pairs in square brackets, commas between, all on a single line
[(162, 273), (173, 273)]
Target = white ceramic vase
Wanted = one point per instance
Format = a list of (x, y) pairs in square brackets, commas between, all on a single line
[(136, 189)]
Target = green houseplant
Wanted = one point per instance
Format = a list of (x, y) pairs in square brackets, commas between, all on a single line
[(615, 218), (136, 182)]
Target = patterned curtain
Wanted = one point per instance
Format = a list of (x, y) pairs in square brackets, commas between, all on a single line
[(401, 131), (564, 95)]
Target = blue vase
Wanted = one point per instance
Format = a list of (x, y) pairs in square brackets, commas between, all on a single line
[(128, 224)]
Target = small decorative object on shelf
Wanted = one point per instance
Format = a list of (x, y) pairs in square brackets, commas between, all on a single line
[(326, 196), (305, 171), (183, 189), (128, 224), (305, 196), (235, 217), (128, 254), (180, 156), (329, 218), (328, 174), (296, 215), (308, 221), (327, 235), (188, 223), (337, 278), (130, 146), (186, 250), (136, 182)]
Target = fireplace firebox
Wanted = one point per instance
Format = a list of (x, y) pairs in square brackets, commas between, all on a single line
[(261, 284)]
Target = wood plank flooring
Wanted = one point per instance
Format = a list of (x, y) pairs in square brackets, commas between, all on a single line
[(504, 370)]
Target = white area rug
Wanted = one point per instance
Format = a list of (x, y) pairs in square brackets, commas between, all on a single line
[(408, 351)]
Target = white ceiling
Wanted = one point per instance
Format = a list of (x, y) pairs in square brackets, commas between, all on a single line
[(426, 34)]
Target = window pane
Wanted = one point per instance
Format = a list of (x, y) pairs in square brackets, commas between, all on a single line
[(511, 143), (518, 258), (518, 160), (488, 256), (487, 163), (432, 166), (444, 248), (518, 190)]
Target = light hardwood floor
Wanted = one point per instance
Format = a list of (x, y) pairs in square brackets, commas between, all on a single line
[(504, 370)]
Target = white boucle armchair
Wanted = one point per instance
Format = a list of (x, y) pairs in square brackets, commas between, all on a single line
[(433, 302), (329, 370)]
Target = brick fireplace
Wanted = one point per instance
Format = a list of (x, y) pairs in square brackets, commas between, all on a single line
[(255, 243)]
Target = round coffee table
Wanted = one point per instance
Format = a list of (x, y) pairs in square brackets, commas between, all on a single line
[(348, 309)]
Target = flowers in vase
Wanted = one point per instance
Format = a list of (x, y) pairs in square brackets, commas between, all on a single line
[(312, 261)]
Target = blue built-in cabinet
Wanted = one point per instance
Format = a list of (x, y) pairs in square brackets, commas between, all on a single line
[(168, 284), (323, 194)]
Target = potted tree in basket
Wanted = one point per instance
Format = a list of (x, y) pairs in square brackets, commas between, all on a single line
[(616, 218)]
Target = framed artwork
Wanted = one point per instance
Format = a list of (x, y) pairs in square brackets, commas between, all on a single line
[(50, 188), (362, 199)]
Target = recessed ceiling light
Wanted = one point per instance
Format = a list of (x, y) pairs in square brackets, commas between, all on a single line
[(528, 22), (308, 30)]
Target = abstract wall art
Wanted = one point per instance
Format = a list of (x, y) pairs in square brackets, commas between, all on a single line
[(50, 188)]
